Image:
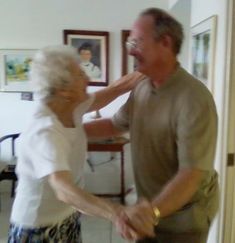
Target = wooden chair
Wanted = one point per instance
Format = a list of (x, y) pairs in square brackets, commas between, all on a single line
[(8, 172)]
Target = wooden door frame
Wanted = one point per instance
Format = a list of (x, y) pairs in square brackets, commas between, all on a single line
[(227, 180)]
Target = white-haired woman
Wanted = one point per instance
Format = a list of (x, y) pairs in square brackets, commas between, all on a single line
[(52, 153)]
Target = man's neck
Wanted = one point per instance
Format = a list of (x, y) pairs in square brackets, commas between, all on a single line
[(161, 74)]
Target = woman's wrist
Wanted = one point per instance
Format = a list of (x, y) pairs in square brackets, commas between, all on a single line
[(116, 211), (118, 88)]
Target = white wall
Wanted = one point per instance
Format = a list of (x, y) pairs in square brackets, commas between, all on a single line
[(34, 24), (172, 3), (181, 10), (201, 10)]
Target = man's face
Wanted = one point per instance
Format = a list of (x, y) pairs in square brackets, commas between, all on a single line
[(85, 55), (147, 51)]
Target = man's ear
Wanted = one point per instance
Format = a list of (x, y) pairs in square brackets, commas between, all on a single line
[(167, 41)]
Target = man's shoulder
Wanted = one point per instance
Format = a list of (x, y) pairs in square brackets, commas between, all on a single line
[(192, 85), (143, 86)]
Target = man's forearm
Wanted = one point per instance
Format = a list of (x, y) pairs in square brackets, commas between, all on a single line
[(178, 191)]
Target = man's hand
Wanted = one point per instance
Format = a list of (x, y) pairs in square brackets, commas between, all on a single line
[(125, 229), (136, 222)]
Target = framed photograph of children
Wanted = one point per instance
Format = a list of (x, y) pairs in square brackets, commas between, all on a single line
[(93, 52), (14, 70), (128, 62), (203, 46)]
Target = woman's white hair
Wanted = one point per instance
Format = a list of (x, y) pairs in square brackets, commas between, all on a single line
[(51, 69)]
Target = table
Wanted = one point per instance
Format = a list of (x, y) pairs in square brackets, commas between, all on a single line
[(112, 145)]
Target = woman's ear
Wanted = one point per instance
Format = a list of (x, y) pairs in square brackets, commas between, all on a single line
[(65, 93)]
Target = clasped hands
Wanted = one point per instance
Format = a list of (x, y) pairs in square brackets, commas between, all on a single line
[(135, 222)]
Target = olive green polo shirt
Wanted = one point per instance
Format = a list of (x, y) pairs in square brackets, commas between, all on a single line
[(171, 127)]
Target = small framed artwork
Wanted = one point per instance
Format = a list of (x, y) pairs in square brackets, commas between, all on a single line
[(203, 42), (128, 62), (14, 70), (93, 52)]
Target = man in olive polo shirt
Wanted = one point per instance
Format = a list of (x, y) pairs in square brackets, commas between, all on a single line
[(172, 121)]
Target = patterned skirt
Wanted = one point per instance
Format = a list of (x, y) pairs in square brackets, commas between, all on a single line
[(67, 231)]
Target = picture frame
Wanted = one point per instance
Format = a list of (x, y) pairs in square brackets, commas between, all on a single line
[(128, 62), (14, 70), (202, 51), (93, 53)]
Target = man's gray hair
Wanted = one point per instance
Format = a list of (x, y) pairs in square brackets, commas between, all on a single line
[(51, 69), (165, 24)]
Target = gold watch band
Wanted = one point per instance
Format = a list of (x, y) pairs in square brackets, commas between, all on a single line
[(157, 215)]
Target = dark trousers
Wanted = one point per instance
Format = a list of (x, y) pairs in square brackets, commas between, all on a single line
[(177, 238)]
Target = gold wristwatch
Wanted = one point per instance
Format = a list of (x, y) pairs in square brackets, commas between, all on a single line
[(157, 215)]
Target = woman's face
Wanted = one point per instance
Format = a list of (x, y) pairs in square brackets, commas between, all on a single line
[(78, 87)]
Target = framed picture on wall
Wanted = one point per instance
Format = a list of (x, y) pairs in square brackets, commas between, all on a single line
[(14, 70), (93, 52), (128, 62), (203, 42)]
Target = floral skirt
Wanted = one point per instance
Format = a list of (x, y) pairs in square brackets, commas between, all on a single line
[(67, 231)]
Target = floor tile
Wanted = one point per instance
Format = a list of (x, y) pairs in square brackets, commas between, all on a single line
[(95, 230), (116, 238)]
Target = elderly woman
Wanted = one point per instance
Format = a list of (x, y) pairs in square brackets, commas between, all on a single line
[(52, 151)]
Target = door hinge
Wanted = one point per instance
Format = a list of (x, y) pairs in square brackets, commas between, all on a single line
[(230, 159)]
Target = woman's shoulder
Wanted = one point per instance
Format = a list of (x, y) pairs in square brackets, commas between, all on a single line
[(44, 134), (43, 125)]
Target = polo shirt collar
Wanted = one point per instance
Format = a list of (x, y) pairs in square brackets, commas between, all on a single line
[(169, 81)]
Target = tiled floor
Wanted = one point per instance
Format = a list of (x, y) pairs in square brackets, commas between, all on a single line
[(94, 230)]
